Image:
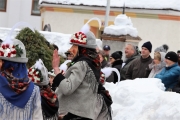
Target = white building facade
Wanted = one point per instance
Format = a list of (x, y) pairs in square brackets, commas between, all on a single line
[(13, 11)]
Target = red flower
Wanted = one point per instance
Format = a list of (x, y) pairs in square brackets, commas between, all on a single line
[(102, 81), (13, 46), (33, 79), (30, 69), (7, 45), (3, 46), (9, 54), (13, 52), (1, 53)]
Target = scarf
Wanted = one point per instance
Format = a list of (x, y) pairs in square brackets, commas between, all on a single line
[(16, 84), (49, 102), (92, 58)]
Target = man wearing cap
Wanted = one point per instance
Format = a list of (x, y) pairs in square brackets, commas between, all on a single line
[(139, 66), (170, 74), (107, 49)]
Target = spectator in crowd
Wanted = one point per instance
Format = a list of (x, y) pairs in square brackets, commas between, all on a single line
[(170, 74), (178, 53), (116, 62), (130, 53), (103, 62), (164, 48), (107, 49), (139, 67), (158, 64), (51, 76)]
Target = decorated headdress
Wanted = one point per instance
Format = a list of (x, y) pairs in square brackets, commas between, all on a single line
[(85, 38), (51, 73), (13, 49), (106, 72), (38, 73)]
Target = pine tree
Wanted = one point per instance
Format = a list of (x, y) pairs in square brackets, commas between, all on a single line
[(36, 47)]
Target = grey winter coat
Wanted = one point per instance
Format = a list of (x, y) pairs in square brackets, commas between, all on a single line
[(155, 69), (78, 92)]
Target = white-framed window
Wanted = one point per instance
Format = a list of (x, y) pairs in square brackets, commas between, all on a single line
[(3, 4), (35, 8)]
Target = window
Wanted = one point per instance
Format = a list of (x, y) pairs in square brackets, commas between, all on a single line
[(35, 8), (3, 5)]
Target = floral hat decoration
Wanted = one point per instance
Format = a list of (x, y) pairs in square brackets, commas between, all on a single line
[(38, 73), (85, 37), (13, 49)]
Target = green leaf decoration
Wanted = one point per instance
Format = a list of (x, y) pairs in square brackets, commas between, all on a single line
[(19, 51)]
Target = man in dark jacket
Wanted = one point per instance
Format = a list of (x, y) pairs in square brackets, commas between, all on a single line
[(131, 54), (139, 66)]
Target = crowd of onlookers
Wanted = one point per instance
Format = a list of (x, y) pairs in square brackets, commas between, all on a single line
[(140, 64)]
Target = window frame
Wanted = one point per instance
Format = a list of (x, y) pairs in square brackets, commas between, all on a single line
[(5, 7), (34, 14)]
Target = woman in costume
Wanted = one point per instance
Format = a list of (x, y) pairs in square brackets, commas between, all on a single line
[(80, 92), (19, 97), (38, 73)]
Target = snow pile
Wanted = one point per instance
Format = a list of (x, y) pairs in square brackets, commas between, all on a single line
[(143, 99), (122, 26), (59, 39), (145, 4)]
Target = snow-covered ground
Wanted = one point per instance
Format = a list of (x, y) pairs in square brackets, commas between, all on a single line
[(143, 99), (122, 26), (59, 39), (145, 4)]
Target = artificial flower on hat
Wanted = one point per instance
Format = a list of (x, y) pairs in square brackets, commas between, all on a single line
[(38, 73), (85, 38), (13, 49)]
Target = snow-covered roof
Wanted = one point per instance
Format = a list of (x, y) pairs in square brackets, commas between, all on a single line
[(141, 4)]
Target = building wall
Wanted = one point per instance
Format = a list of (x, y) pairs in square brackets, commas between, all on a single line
[(19, 10), (158, 31)]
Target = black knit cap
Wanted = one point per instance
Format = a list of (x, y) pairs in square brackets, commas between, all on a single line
[(148, 45), (117, 55), (172, 56)]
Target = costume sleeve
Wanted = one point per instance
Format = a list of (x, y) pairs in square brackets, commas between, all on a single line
[(77, 75), (37, 114)]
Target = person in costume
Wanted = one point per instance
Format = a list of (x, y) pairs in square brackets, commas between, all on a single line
[(80, 92), (38, 73), (19, 97)]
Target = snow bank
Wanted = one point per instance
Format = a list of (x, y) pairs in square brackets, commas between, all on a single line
[(145, 4), (59, 39), (143, 99), (122, 26)]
